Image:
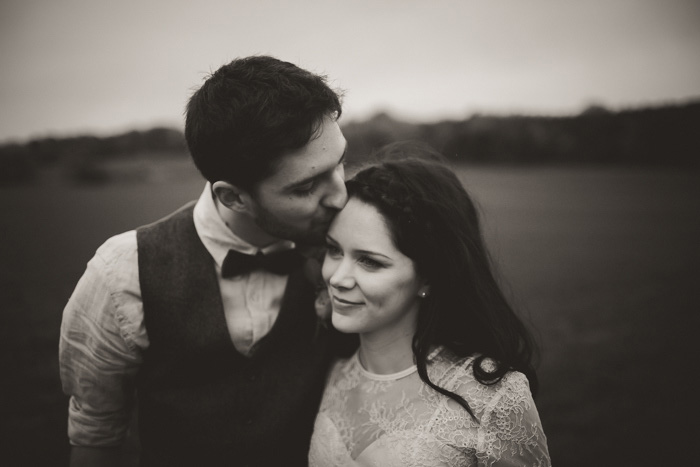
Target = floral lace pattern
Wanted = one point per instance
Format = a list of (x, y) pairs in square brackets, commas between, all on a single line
[(397, 420)]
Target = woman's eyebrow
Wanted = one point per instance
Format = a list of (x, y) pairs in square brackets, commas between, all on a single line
[(372, 253), (330, 239)]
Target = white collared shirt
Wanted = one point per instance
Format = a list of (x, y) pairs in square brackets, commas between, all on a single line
[(103, 335)]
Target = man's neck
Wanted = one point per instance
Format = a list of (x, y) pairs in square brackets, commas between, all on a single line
[(244, 227)]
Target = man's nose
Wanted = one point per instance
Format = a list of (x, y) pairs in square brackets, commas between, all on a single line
[(337, 194)]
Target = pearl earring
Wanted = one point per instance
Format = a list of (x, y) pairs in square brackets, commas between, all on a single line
[(423, 294)]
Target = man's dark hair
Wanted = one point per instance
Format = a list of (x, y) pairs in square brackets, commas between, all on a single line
[(251, 112)]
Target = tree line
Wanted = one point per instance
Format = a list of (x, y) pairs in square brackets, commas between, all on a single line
[(654, 136), (661, 136)]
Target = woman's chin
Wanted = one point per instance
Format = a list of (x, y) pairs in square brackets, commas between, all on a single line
[(344, 323)]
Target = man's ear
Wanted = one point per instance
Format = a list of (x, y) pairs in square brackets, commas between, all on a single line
[(230, 195)]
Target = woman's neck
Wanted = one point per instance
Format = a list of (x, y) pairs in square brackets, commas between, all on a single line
[(385, 355)]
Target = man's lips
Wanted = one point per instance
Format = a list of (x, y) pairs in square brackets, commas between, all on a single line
[(325, 220)]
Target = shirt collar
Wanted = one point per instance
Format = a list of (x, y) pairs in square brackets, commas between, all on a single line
[(217, 237)]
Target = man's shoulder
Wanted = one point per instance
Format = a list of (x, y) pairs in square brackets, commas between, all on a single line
[(182, 213), (124, 246), (119, 248), (119, 244)]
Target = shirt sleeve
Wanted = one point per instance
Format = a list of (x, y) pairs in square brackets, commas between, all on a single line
[(511, 432), (101, 342)]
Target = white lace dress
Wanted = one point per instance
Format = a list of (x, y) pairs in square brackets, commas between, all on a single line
[(396, 420)]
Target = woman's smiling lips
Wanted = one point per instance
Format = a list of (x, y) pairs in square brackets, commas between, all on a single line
[(344, 304)]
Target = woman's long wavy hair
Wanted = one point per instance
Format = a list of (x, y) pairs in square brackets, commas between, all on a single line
[(435, 223)]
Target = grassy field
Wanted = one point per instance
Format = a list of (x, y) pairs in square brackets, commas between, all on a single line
[(602, 262)]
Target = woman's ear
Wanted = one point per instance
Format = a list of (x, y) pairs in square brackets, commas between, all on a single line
[(424, 291), (229, 195)]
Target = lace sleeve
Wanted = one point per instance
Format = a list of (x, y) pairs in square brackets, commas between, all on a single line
[(510, 432)]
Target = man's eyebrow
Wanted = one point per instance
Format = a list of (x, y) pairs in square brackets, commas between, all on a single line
[(306, 180)]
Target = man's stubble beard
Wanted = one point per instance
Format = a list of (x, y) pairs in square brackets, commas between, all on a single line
[(313, 236)]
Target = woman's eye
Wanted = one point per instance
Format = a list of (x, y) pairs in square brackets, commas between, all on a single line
[(333, 251), (369, 263)]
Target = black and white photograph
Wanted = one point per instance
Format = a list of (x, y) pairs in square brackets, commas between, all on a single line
[(394, 233)]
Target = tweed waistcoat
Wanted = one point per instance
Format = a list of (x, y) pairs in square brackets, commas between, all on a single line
[(200, 401)]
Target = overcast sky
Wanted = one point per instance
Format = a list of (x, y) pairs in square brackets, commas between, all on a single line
[(77, 66)]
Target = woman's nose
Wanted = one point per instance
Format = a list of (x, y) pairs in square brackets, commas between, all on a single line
[(342, 276)]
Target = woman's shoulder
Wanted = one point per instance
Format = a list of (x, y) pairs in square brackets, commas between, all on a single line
[(456, 373), (443, 365), (446, 368)]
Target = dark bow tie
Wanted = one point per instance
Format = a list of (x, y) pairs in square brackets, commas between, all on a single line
[(237, 263)]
